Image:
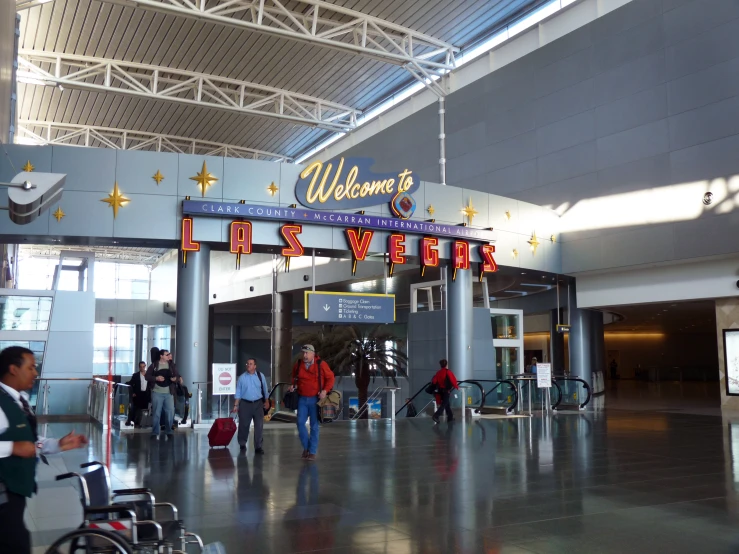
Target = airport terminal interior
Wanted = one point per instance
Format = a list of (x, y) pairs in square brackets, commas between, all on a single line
[(544, 193)]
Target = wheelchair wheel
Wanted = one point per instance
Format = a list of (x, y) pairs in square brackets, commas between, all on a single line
[(90, 541)]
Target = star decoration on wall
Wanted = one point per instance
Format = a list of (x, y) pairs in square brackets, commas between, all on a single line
[(204, 179), (430, 209), (272, 188), (58, 214), (469, 211), (158, 177), (508, 215), (116, 200), (534, 242), (28, 167), (514, 253), (553, 238)]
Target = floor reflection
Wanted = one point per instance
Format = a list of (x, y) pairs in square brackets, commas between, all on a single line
[(607, 480)]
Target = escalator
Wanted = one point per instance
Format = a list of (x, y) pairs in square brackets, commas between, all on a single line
[(479, 400)]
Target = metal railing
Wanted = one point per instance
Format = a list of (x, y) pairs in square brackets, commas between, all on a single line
[(499, 382), (561, 381), (374, 396)]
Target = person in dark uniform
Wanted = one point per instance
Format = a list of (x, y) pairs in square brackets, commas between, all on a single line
[(21, 447), (140, 394)]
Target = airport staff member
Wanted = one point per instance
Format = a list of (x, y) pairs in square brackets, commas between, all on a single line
[(20, 447), (251, 401)]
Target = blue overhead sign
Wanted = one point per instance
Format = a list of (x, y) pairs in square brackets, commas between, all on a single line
[(347, 307)]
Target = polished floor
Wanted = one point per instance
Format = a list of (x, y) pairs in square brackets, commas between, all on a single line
[(605, 481)]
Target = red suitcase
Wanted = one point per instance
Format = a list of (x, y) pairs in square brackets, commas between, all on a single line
[(222, 432)]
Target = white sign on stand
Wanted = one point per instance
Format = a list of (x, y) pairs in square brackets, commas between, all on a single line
[(544, 376), (224, 379)]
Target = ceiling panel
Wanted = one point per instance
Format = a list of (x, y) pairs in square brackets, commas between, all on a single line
[(93, 28)]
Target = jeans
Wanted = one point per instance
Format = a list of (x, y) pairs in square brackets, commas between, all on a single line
[(161, 402), (307, 407)]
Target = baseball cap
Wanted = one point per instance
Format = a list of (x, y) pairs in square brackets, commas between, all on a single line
[(308, 348)]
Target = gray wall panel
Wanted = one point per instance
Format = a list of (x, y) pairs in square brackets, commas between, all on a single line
[(694, 18), (87, 169), (567, 163), (705, 124), (565, 133), (147, 217), (248, 180), (632, 111), (135, 172), (627, 79), (704, 87), (633, 144), (702, 51), (627, 46), (78, 207)]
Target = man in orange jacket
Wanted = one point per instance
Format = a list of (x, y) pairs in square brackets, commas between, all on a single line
[(445, 381), (313, 379)]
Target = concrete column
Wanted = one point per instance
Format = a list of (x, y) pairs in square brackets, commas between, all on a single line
[(557, 343), (282, 337), (192, 316), (459, 317), (581, 338), (138, 347), (599, 342)]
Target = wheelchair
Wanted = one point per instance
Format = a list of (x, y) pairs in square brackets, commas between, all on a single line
[(123, 521)]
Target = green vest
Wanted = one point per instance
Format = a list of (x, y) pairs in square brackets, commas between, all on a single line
[(18, 474)]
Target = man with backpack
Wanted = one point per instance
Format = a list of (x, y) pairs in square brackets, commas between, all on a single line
[(445, 381), (251, 403), (313, 380)]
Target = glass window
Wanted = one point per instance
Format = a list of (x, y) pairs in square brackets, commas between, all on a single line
[(505, 326), (122, 339), (128, 281), (506, 362), (25, 313)]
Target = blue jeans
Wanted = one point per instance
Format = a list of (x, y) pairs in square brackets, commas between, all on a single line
[(161, 402), (307, 408)]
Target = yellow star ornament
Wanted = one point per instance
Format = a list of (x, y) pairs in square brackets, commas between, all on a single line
[(58, 214), (158, 177), (116, 200), (534, 243), (273, 189), (204, 179), (469, 211), (28, 167)]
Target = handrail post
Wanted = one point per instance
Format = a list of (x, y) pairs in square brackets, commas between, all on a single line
[(200, 400), (392, 405), (45, 409)]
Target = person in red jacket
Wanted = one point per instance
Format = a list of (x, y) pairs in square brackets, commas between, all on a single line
[(313, 379), (445, 381)]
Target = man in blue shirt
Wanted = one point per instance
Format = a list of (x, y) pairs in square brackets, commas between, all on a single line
[(251, 401)]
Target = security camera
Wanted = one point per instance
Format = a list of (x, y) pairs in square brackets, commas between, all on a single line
[(306, 278)]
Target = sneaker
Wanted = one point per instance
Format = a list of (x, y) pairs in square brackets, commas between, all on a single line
[(259, 451), (310, 457)]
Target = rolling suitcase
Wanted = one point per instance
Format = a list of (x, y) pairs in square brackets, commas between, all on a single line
[(223, 430)]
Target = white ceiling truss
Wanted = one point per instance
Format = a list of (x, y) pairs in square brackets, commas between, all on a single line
[(25, 4), (188, 87), (324, 24), (134, 255), (43, 132)]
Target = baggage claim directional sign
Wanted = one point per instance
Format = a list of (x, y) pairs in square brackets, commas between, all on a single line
[(347, 307)]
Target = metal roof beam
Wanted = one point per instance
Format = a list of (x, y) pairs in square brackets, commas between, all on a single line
[(45, 132), (319, 23), (186, 87)]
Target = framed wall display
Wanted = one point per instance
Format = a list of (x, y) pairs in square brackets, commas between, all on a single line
[(731, 361)]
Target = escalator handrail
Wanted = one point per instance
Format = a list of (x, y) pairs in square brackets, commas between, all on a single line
[(412, 398), (580, 406), (512, 407), (532, 377), (482, 391), (274, 388)]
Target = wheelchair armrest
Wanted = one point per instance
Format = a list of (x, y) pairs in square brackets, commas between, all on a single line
[(111, 510), (196, 540), (142, 523), (132, 491), (169, 505), (90, 464), (67, 476)]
